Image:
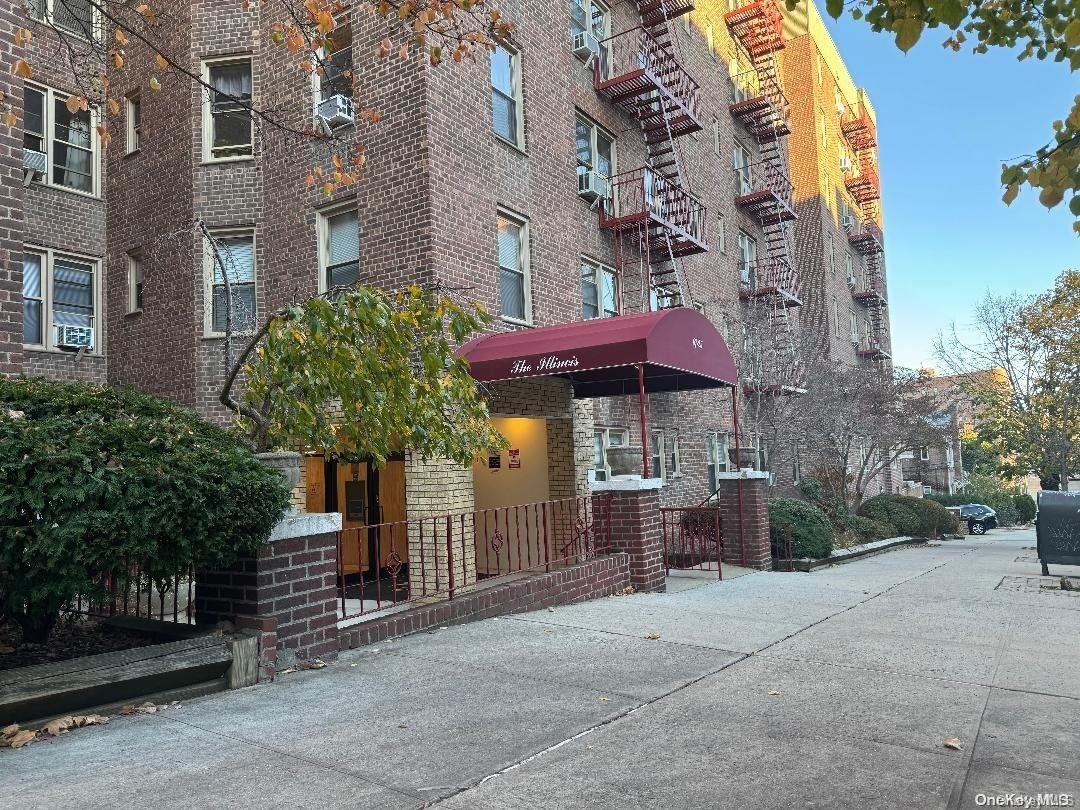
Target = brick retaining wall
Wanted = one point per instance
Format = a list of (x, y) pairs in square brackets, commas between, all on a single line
[(602, 576)]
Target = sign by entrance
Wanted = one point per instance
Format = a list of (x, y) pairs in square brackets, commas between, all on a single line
[(515, 459), (494, 461)]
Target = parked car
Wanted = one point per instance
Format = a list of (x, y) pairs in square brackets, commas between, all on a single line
[(978, 517)]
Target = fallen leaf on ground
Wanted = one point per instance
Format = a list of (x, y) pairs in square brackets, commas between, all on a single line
[(59, 726), (775, 692), (22, 738), (652, 636), (90, 720), (314, 663), (7, 731), (953, 743)]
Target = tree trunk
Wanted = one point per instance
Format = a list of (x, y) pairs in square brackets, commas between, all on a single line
[(37, 621)]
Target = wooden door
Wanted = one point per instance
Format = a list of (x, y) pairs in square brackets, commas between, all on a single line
[(352, 499), (394, 535)]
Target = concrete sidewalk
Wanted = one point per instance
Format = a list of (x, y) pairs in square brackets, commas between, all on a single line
[(834, 689)]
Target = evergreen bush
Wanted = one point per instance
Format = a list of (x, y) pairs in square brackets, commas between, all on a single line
[(812, 535)]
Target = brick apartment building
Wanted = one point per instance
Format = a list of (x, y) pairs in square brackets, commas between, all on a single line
[(613, 159)]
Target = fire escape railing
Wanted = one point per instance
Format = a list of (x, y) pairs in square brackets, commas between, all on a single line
[(760, 104), (765, 190), (866, 237), (643, 195), (770, 277)]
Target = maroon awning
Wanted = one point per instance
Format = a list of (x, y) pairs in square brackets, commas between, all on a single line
[(679, 350)]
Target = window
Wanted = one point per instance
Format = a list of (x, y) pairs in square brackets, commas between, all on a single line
[(796, 464), (233, 260), (717, 457), (709, 40), (716, 137), (854, 327), (674, 462), (824, 129), (721, 235), (656, 455), (336, 77), (339, 248), (595, 149), (836, 317), (68, 138), (742, 160), (603, 440), (133, 128), (599, 290), (60, 295), (849, 265), (135, 281), (506, 95), (948, 456), (817, 59), (594, 17), (747, 258), (227, 122), (830, 264), (761, 452), (867, 331), (514, 294), (74, 16), (839, 99)]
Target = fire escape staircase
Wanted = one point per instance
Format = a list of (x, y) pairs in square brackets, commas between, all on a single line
[(641, 74), (763, 190), (865, 236)]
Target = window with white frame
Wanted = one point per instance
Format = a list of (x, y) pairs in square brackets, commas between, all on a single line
[(716, 138), (747, 257), (599, 290), (924, 454), (674, 459), (742, 160), (506, 95), (717, 457), (69, 139), (927, 490), (761, 452), (228, 128), (231, 259), (796, 463), (592, 17), (336, 76), (132, 122), (824, 128), (867, 333), (849, 265), (710, 41), (603, 440), (60, 300), (854, 326), (515, 296), (339, 247), (135, 281), (595, 150), (836, 317), (656, 455), (830, 264), (721, 235), (76, 17)]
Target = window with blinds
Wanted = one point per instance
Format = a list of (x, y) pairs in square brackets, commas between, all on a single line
[(513, 268), (341, 249), (506, 95), (234, 260), (59, 300), (33, 299)]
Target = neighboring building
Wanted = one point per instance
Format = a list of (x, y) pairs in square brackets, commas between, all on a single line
[(615, 158), (937, 470)]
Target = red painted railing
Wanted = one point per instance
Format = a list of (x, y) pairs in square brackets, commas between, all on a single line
[(758, 100), (767, 276), (693, 538), (634, 63), (645, 195), (386, 565)]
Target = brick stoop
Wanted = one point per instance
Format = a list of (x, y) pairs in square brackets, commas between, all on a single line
[(602, 576)]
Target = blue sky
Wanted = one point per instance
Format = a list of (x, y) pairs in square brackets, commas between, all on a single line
[(946, 122)]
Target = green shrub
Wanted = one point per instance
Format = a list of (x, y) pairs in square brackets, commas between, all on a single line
[(934, 519), (811, 533), (892, 511), (1007, 514), (870, 530), (93, 479), (1025, 507)]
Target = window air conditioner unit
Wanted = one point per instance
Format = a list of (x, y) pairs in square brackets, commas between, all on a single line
[(35, 166), (73, 338), (336, 111), (846, 164), (593, 186), (586, 46), (847, 221)]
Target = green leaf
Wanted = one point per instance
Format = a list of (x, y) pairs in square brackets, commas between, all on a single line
[(1072, 32), (907, 33), (834, 8)]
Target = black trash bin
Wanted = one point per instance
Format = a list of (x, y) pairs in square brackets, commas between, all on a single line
[(1057, 528)]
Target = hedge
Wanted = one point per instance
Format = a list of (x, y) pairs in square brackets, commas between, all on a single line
[(914, 517), (870, 530), (1025, 507), (811, 533), (93, 479)]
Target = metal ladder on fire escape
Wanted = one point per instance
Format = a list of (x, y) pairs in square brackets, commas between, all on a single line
[(775, 366), (666, 277)]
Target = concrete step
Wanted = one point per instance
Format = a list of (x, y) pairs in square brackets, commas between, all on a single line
[(187, 667)]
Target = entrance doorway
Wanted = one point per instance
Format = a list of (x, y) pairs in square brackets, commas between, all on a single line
[(374, 538), (506, 540)]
